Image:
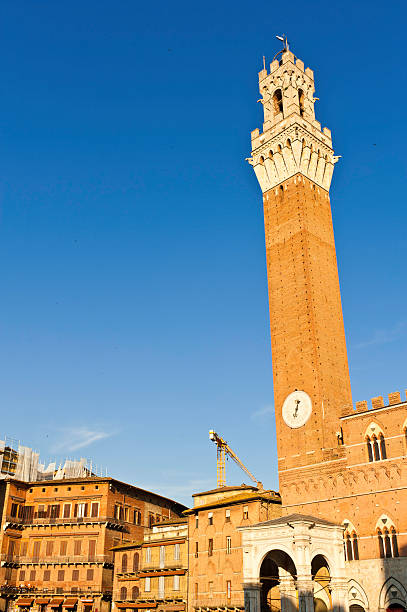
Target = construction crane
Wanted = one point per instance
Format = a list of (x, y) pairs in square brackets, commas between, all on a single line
[(223, 451)]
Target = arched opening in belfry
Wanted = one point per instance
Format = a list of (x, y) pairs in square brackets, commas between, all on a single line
[(277, 579), (322, 578), (396, 608), (301, 101), (278, 102), (356, 608)]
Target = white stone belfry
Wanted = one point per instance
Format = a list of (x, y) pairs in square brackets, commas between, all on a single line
[(292, 140)]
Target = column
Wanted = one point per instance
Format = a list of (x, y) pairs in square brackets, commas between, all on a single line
[(339, 594), (305, 588), (252, 597), (288, 591)]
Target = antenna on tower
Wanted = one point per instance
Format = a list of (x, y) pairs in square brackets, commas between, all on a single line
[(264, 62)]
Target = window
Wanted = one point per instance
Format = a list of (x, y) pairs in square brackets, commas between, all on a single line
[(388, 546), (245, 512), (210, 589), (81, 510), (150, 519), (161, 584), (89, 575), (14, 510), (228, 545), (176, 552), (54, 511), (75, 575), (136, 561), (47, 575), (123, 593), (135, 592), (49, 548), (148, 555), (137, 517), (227, 516), (126, 514), (197, 518), (92, 550), (351, 546), (62, 548), (162, 556), (376, 444), (117, 512), (77, 547), (278, 102), (32, 575), (301, 100), (36, 549), (94, 512), (175, 584), (210, 518), (147, 584), (22, 575), (67, 510), (210, 547), (124, 563), (196, 590), (41, 513), (61, 575), (196, 549), (228, 589)]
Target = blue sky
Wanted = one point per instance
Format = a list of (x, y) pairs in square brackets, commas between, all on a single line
[(134, 311)]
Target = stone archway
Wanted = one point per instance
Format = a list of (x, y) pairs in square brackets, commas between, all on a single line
[(277, 580), (322, 578), (356, 608)]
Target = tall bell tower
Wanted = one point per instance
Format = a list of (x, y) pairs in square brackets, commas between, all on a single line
[(293, 160)]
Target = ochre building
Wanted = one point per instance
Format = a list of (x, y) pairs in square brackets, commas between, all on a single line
[(215, 543), (341, 543), (152, 575), (56, 539)]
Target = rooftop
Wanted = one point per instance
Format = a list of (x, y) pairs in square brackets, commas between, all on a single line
[(269, 496), (296, 518)]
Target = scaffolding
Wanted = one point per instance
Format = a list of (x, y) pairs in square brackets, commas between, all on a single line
[(23, 463)]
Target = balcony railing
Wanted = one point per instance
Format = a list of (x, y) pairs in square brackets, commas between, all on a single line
[(93, 590), (56, 560), (48, 520)]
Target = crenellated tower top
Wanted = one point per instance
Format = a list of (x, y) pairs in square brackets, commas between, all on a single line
[(292, 140)]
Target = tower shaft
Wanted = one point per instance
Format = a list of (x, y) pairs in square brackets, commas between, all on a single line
[(293, 161)]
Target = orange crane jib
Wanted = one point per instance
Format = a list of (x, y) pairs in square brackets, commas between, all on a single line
[(223, 450)]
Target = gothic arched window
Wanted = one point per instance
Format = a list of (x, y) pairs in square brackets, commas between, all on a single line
[(355, 546), (394, 544), (136, 559), (388, 546), (376, 447), (382, 447), (351, 546), (381, 547), (369, 449), (124, 563), (278, 102)]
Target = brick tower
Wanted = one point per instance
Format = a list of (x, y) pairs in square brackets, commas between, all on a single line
[(294, 161)]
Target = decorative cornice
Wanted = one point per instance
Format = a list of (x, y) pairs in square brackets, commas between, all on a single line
[(291, 151)]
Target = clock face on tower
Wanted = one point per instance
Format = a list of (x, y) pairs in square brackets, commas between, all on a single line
[(297, 409)]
